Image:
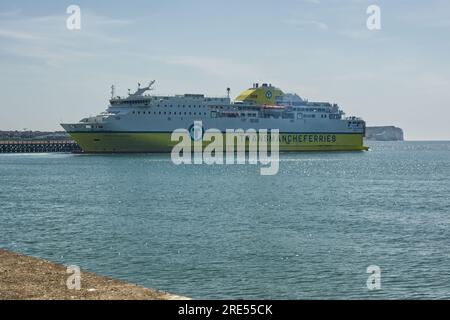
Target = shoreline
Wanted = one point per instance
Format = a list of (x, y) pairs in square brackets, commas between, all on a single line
[(28, 278)]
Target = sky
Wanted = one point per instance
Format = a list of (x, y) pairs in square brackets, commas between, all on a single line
[(322, 50)]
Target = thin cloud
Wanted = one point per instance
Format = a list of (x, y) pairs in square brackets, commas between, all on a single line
[(10, 13), (356, 33), (215, 66), (301, 22), (18, 35), (46, 38)]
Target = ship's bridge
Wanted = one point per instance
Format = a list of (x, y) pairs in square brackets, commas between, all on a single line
[(265, 94)]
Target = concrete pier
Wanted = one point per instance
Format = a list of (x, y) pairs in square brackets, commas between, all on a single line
[(38, 146), (27, 278)]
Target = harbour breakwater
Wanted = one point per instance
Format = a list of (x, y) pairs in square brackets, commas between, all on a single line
[(39, 146)]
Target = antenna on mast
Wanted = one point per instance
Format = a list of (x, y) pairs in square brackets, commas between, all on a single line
[(228, 92), (113, 90)]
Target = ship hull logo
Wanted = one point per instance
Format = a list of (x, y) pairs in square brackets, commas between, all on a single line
[(234, 146), (196, 132)]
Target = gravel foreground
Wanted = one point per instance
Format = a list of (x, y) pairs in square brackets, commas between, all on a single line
[(27, 278)]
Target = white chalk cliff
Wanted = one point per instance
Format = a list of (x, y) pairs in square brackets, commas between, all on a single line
[(388, 133)]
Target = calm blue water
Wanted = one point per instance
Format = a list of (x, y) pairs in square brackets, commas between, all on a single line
[(227, 232)]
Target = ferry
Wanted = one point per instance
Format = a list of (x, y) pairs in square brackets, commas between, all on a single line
[(143, 123)]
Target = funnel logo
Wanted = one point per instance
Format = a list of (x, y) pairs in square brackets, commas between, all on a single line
[(269, 94)]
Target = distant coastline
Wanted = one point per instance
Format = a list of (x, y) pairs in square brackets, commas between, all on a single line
[(26, 135)]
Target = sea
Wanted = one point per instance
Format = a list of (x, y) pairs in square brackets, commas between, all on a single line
[(329, 225)]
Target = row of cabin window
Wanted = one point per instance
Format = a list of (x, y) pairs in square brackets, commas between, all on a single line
[(174, 113), (242, 114), (331, 116), (311, 109), (170, 106)]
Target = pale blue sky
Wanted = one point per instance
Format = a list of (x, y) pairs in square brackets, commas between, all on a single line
[(320, 49)]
